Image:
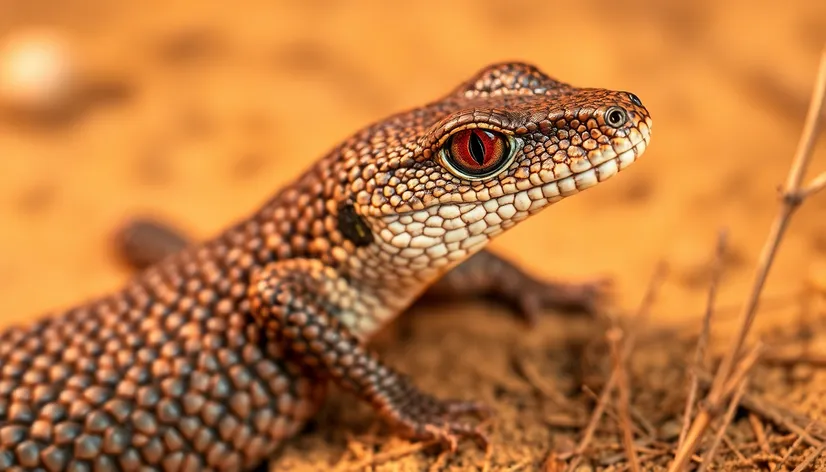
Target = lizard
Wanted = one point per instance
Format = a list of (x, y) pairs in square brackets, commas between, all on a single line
[(215, 353)]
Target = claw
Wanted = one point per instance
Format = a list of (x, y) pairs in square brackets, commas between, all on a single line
[(443, 435), (437, 421), (450, 433)]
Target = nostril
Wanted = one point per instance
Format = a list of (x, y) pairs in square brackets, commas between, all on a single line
[(616, 117)]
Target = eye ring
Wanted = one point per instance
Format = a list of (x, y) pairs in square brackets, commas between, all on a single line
[(477, 154), (616, 117)]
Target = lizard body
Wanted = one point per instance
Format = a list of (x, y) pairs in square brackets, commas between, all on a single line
[(217, 352)]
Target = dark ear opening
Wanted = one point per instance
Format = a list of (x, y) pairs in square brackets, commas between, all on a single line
[(352, 226)]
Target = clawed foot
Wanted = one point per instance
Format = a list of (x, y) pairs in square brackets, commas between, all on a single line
[(530, 296), (427, 418), (486, 274)]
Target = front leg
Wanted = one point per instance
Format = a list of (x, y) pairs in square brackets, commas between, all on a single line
[(299, 303), (488, 275)]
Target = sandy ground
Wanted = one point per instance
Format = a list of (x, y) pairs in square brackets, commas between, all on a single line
[(202, 109)]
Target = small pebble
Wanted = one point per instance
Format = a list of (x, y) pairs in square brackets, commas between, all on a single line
[(670, 430), (37, 72)]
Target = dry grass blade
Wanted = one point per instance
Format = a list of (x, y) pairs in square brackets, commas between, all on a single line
[(627, 348), (608, 411), (733, 448), (732, 407), (814, 455), (817, 184), (791, 449), (759, 432), (757, 405), (817, 360), (646, 425), (615, 338), (707, 414), (792, 198), (518, 466), (760, 435), (702, 341), (387, 456), (531, 375), (742, 370)]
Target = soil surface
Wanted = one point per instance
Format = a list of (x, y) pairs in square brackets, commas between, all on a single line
[(196, 112)]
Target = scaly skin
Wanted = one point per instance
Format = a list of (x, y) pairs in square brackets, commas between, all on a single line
[(213, 356)]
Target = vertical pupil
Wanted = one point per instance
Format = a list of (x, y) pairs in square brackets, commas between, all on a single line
[(477, 149)]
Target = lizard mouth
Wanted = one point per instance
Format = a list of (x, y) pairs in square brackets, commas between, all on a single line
[(596, 169)]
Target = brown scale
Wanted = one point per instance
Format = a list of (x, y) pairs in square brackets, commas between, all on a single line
[(217, 352)]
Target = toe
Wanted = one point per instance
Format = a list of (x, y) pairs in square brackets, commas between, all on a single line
[(443, 434), (471, 432)]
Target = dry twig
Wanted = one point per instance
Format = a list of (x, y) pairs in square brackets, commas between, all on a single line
[(768, 411), (732, 407), (702, 341), (791, 449), (815, 360), (531, 374), (742, 370), (793, 196), (814, 455), (712, 406), (609, 411), (645, 424), (733, 448), (627, 348), (398, 453), (760, 435), (817, 184), (615, 338), (518, 466), (774, 440)]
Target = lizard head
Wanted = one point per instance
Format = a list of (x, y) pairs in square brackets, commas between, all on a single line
[(442, 180)]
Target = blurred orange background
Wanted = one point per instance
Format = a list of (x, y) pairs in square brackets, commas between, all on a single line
[(198, 111)]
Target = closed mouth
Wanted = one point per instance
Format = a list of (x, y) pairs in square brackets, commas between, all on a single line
[(517, 205), (612, 161), (579, 181)]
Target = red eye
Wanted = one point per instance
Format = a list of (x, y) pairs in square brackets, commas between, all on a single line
[(477, 152)]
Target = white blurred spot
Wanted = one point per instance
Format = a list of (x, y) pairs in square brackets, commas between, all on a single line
[(37, 72)]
